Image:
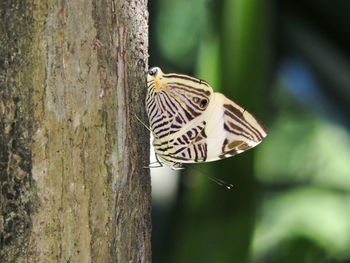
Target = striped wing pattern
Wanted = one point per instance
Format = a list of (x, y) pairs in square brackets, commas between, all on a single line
[(191, 123)]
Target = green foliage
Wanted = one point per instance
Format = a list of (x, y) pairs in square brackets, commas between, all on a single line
[(309, 149), (291, 195), (179, 27)]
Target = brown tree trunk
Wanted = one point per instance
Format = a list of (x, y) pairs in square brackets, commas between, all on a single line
[(72, 79)]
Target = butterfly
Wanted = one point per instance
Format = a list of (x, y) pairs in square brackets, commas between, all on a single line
[(191, 123)]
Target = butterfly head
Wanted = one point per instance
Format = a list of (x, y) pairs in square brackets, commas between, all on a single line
[(153, 72), (155, 77)]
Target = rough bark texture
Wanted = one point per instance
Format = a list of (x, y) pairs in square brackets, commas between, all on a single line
[(73, 187)]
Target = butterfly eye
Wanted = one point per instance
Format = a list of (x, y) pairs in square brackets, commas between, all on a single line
[(203, 103), (153, 71), (195, 99)]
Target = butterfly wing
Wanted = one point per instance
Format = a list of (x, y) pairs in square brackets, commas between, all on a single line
[(191, 123), (174, 102), (224, 130), (185, 146), (235, 131)]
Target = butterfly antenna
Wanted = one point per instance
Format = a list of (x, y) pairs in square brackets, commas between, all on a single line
[(220, 182), (216, 180)]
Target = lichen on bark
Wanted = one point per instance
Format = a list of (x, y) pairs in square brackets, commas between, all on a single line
[(17, 195)]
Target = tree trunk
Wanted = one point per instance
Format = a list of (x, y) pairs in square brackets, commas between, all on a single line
[(72, 79)]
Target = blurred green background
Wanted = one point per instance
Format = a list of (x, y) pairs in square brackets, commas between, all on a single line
[(288, 63)]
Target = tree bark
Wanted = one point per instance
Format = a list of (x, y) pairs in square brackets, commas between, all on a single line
[(72, 79)]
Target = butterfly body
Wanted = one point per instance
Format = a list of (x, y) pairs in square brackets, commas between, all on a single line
[(191, 123)]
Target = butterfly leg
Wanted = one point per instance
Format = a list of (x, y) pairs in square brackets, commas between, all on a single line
[(153, 165), (177, 166), (159, 164)]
